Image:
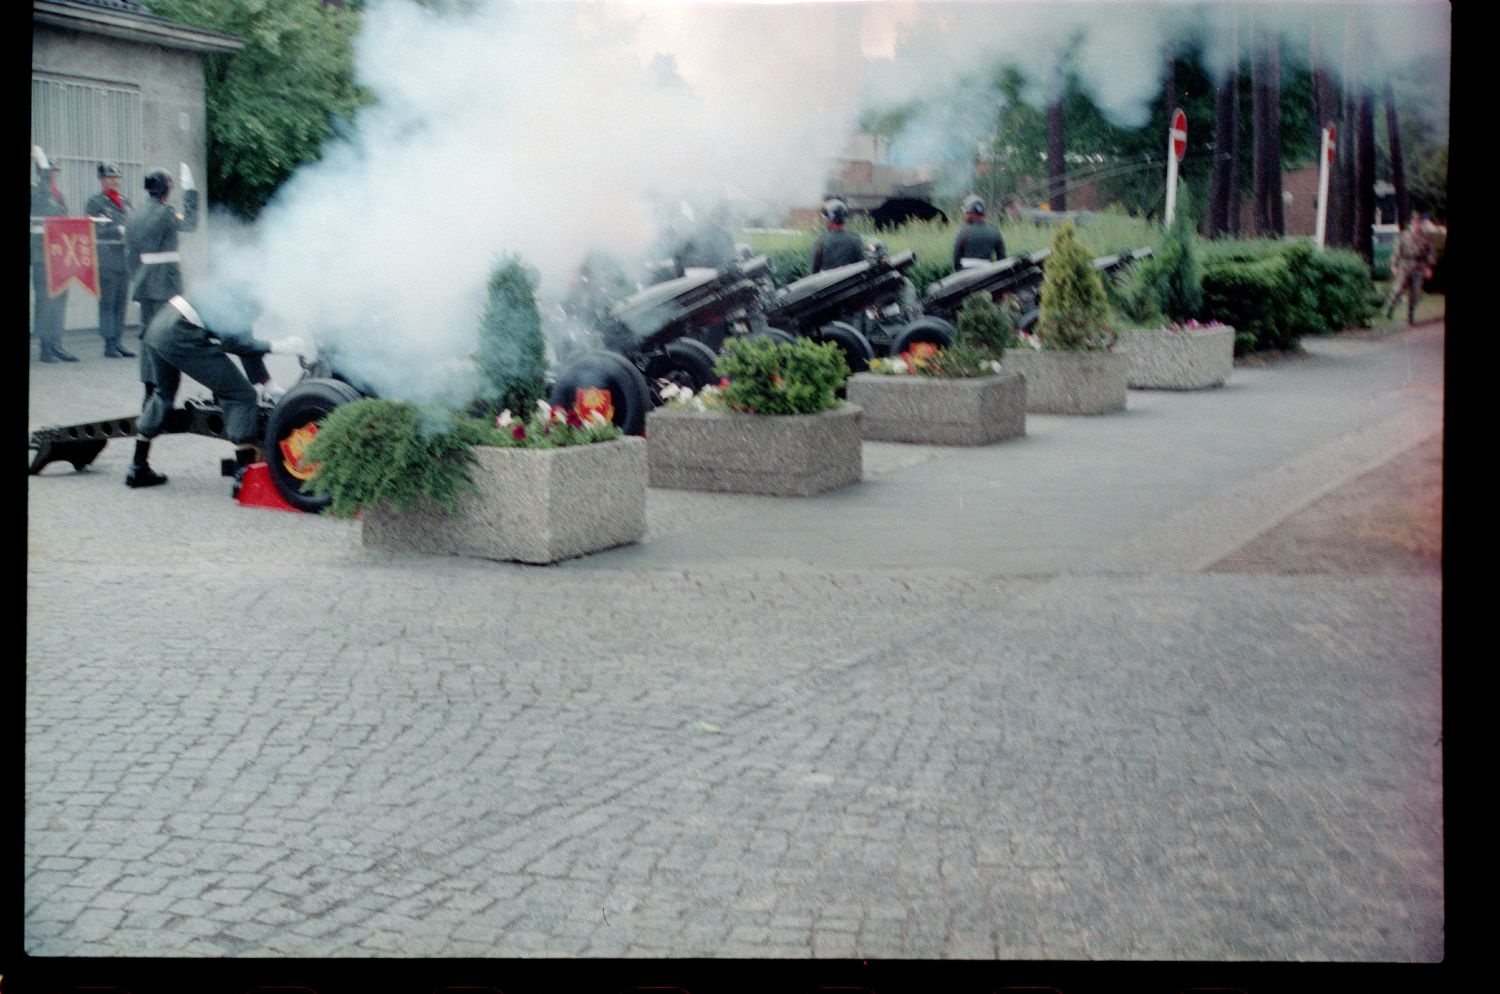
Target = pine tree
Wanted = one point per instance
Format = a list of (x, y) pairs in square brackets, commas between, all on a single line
[(1074, 307), (512, 354)]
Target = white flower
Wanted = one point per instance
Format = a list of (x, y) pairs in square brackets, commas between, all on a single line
[(995, 365), (598, 418), (686, 393), (898, 365), (544, 409), (670, 391), (504, 420)]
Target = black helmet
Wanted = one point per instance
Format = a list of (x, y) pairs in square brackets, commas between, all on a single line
[(973, 205), (158, 182), (109, 169), (835, 211)]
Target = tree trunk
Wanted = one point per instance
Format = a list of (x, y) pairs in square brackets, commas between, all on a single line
[(1226, 154), (1364, 175), (1265, 178), (1057, 172), (1398, 167)]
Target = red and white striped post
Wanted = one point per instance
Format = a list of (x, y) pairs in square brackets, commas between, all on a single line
[(1325, 166), (1176, 147)]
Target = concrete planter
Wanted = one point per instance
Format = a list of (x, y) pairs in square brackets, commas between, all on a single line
[(1059, 382), (1191, 359), (533, 505), (791, 455), (934, 411)]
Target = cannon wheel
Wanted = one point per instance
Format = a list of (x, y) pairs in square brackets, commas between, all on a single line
[(776, 335), (689, 363), (925, 329), (856, 347), (628, 393), (293, 423)]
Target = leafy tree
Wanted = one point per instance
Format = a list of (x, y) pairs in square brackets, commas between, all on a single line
[(272, 105)]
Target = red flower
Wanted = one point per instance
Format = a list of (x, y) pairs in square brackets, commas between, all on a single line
[(723, 382), (574, 421), (519, 431)]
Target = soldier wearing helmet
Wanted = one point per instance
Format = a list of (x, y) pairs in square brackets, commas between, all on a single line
[(151, 247), (110, 210), (977, 240), (836, 246)]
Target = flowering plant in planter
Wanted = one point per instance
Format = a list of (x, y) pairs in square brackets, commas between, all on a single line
[(552, 427), (710, 398), (377, 451), (926, 359)]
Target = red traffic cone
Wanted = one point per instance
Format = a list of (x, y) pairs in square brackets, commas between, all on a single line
[(257, 490)]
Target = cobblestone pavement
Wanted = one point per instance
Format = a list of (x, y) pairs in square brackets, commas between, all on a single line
[(246, 736)]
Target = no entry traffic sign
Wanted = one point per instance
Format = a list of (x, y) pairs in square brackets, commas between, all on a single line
[(1179, 133)]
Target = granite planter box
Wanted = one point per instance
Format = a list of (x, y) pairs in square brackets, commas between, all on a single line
[(533, 505), (784, 455), (940, 411), (1059, 382), (1190, 359)]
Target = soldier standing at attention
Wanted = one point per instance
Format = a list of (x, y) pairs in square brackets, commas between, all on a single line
[(110, 210), (47, 201), (977, 239), (151, 244), (836, 247)]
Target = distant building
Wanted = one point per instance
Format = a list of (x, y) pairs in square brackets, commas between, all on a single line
[(868, 185), (113, 82)]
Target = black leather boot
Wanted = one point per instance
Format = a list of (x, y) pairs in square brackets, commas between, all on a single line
[(142, 475)]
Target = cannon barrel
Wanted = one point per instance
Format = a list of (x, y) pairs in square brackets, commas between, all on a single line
[(834, 294)]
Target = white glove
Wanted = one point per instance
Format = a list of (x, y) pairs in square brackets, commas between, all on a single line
[(290, 345), (40, 157), (270, 391), (187, 177)]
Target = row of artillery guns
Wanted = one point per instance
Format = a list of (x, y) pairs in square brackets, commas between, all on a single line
[(668, 333)]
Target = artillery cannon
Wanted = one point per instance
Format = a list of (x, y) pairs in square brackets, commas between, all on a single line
[(1018, 277), (858, 307)]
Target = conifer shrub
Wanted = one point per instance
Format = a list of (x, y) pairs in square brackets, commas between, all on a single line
[(512, 354), (767, 378), (1075, 313), (984, 324)]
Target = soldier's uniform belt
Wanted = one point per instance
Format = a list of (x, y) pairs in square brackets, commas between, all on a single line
[(157, 258)]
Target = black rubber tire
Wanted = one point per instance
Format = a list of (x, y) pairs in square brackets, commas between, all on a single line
[(630, 395), (776, 335), (851, 341), (924, 329), (689, 363), (304, 405)]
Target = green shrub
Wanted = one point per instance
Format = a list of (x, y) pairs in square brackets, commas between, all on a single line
[(1134, 297), (767, 378), (984, 324), (1173, 276), (512, 353), (376, 451), (1251, 296), (1074, 306), (1274, 293)]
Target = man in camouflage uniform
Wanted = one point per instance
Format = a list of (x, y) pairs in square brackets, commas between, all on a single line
[(110, 209), (1411, 266), (836, 247)]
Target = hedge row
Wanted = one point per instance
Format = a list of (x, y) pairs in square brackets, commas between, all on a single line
[(1275, 293)]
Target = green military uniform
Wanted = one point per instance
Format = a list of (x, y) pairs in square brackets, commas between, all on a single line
[(151, 244), (176, 342), (979, 240), (1415, 256), (836, 247), (114, 273), (46, 202)]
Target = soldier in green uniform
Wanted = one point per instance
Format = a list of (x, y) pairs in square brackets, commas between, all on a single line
[(151, 244), (836, 247), (47, 201), (1411, 267), (110, 210), (977, 239), (198, 341)]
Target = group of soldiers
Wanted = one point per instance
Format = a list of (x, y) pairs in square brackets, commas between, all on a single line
[(139, 259), (976, 243)]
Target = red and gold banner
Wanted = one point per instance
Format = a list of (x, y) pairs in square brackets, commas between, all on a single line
[(71, 254)]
